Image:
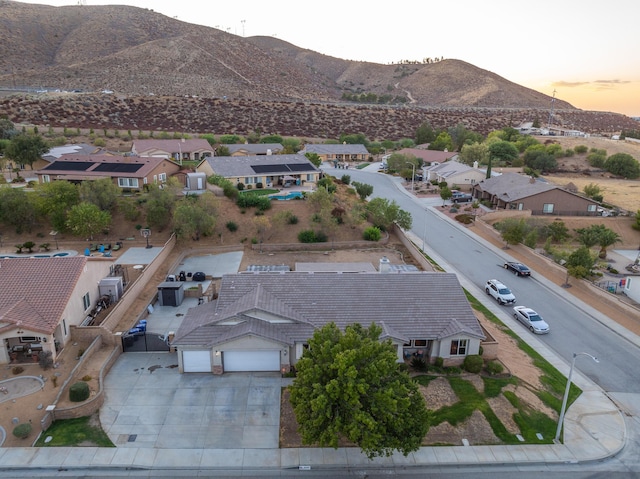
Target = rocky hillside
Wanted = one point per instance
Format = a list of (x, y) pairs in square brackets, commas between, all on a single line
[(135, 51)]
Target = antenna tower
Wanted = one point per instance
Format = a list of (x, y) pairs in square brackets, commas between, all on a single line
[(553, 101)]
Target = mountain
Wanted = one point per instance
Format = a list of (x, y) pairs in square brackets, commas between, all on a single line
[(174, 76), (134, 51)]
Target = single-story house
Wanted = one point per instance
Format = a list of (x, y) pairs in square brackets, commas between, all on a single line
[(42, 298), (632, 287), (518, 192), (263, 321), (454, 173), (254, 149), (52, 155), (337, 152), (130, 172), (268, 170), (429, 157), (178, 149)]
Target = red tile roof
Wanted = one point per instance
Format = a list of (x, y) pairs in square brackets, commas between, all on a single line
[(34, 292)]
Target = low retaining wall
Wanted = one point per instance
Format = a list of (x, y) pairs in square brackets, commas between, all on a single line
[(329, 245), (415, 252)]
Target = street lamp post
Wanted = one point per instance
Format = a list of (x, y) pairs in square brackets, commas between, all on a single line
[(566, 394), (413, 174)]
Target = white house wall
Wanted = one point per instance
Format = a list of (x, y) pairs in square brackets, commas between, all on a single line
[(632, 288)]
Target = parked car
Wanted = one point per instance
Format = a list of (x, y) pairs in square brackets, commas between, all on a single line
[(530, 319), (500, 292), (517, 268), (460, 197)]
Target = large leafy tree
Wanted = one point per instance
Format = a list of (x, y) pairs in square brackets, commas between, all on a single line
[(363, 189), (160, 203), (314, 158), (607, 238), (442, 142), (503, 151), (55, 200), (425, 133), (513, 230), (195, 216), (26, 149), (86, 220), (579, 264), (474, 152), (17, 209), (383, 213), (103, 193), (349, 386), (623, 164)]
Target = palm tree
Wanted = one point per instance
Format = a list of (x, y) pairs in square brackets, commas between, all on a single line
[(607, 238)]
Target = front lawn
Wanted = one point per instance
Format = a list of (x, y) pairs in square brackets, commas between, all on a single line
[(82, 431)]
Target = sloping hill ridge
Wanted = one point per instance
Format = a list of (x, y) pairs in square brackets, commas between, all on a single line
[(135, 51)]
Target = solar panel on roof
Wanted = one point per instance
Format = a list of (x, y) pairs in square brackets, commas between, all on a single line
[(262, 169), (299, 166), (118, 167), (69, 165)]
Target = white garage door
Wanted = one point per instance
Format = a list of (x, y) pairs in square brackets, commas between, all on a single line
[(196, 361), (251, 361)]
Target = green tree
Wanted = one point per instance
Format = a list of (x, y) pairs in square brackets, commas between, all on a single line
[(222, 150), (592, 191), (17, 209), (557, 231), (636, 224), (160, 203), (271, 139), (26, 149), (590, 236), (623, 164), (348, 385), (54, 200), (314, 158), (383, 213), (291, 145), (320, 199), (513, 230), (7, 129), (503, 151), (354, 139), (103, 193), (86, 219), (397, 162), (424, 133), (606, 238), (194, 216), (442, 142), (363, 189), (445, 194), (597, 159), (579, 264), (474, 152), (230, 140), (461, 136)]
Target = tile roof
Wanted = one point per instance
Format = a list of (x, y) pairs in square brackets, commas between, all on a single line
[(512, 186), (256, 148), (172, 145), (335, 149), (236, 166), (36, 291), (419, 305), (428, 156)]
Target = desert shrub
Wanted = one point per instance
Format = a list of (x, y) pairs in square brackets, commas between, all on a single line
[(321, 237), (22, 431), (531, 239), (79, 392), (453, 210), (372, 234), (86, 378), (54, 381), (465, 218), (45, 359), (473, 363), (346, 179), (230, 191), (580, 149), (292, 220), (231, 226), (439, 362), (262, 203), (17, 370), (307, 236), (494, 367), (419, 364)]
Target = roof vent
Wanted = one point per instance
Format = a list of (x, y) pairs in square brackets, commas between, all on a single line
[(385, 265)]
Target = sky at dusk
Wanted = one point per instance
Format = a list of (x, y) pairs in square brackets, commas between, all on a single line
[(585, 51)]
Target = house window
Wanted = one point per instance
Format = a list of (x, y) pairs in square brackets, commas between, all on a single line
[(459, 347), (309, 177), (155, 179), (419, 342), (86, 302), (591, 208), (46, 179), (128, 182), (547, 208), (144, 180)]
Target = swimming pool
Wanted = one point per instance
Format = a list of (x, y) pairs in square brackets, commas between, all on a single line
[(40, 255), (289, 196)]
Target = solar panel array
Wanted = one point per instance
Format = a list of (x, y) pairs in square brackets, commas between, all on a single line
[(118, 167), (288, 167), (70, 165)]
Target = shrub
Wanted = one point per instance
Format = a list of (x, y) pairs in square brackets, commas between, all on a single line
[(22, 431), (17, 370), (79, 392), (494, 367), (531, 239), (292, 220), (580, 149), (45, 359), (259, 185), (321, 237), (453, 210), (240, 186), (231, 226), (473, 363), (464, 218), (307, 236), (439, 362), (346, 179), (419, 364), (372, 233), (452, 370), (86, 378)]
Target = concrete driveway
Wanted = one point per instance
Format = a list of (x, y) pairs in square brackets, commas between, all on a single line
[(148, 403)]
